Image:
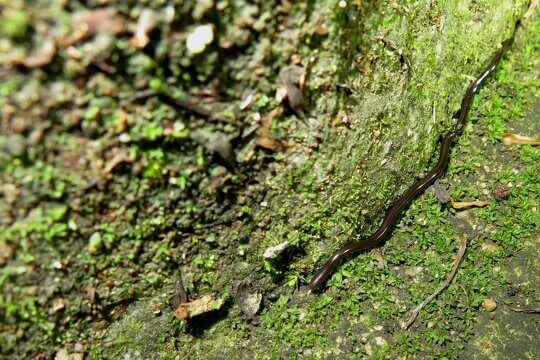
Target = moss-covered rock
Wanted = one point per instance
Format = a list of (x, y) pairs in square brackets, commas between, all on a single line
[(393, 76), (244, 193)]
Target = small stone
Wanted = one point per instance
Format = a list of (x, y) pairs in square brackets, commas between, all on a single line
[(490, 247), (489, 304), (252, 304), (369, 349), (491, 316), (15, 145), (221, 147), (274, 251), (62, 354), (501, 192), (124, 138), (59, 305), (200, 37), (95, 244), (380, 341), (6, 252)]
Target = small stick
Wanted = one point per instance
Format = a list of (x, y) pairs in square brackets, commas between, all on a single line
[(444, 285), (466, 294), (181, 290), (177, 103), (526, 311)]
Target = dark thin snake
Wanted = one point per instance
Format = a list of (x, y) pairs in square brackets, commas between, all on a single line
[(354, 247)]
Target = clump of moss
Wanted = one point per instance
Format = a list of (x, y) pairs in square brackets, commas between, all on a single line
[(14, 23)]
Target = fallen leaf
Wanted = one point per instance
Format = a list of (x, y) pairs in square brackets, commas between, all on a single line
[(266, 140), (516, 139), (41, 57), (222, 147), (97, 21), (440, 192), (247, 298), (117, 159), (292, 78), (197, 307), (381, 264), (148, 21), (501, 192), (6, 252), (459, 205)]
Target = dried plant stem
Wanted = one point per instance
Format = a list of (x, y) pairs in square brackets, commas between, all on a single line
[(444, 285)]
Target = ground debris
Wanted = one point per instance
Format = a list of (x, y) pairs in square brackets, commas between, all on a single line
[(5, 253), (381, 264), (247, 298), (501, 192), (440, 192), (274, 251), (489, 304), (197, 307), (292, 79), (266, 139), (460, 205), (222, 148), (148, 21), (41, 57), (516, 139), (444, 285), (96, 21), (525, 310)]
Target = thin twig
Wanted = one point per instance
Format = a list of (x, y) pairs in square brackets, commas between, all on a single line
[(526, 311), (182, 290), (177, 103), (444, 285), (466, 294)]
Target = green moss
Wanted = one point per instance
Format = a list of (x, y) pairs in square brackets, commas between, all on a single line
[(381, 87), (14, 23), (361, 297)]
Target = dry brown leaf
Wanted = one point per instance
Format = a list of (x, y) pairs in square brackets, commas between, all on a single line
[(267, 143), (41, 57), (459, 205), (440, 192), (148, 20), (266, 140), (5, 253), (197, 307), (97, 21), (381, 264), (516, 139), (500, 192), (292, 78), (117, 159)]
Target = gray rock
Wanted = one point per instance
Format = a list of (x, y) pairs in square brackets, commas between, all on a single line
[(15, 145)]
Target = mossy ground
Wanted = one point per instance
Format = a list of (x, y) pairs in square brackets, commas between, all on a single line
[(79, 243), (361, 312)]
